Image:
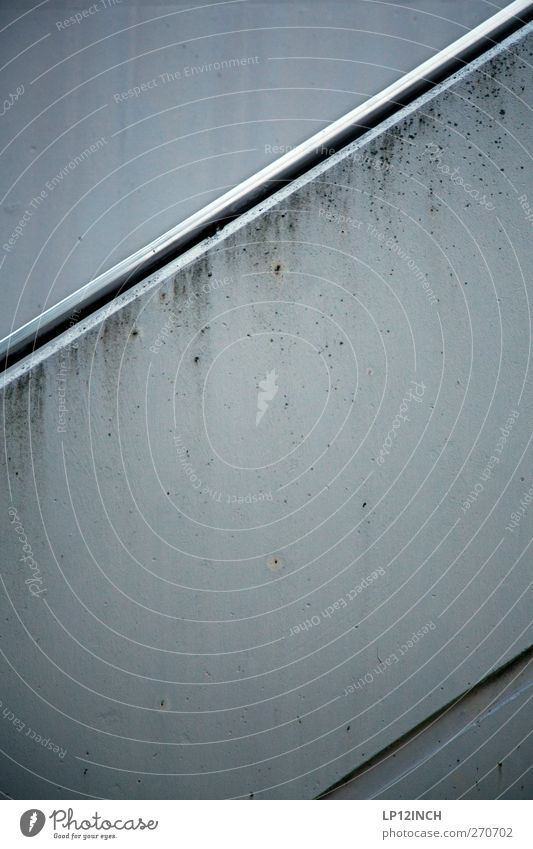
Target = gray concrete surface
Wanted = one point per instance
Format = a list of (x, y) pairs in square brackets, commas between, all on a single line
[(200, 602), (121, 123), (462, 752)]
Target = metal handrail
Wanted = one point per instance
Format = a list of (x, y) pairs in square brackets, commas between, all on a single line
[(236, 201)]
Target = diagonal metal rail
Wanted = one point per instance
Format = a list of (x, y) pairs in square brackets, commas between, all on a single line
[(208, 220)]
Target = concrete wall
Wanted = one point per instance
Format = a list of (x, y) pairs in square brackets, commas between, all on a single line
[(138, 113), (219, 604)]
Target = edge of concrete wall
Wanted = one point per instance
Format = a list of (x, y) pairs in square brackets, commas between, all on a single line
[(191, 255)]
